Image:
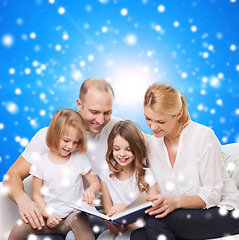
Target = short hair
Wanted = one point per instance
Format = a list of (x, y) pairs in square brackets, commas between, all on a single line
[(165, 99), (61, 121), (131, 132), (98, 83)]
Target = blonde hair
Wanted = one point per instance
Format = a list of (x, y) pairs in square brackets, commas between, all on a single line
[(61, 121), (165, 99), (98, 83), (129, 131)]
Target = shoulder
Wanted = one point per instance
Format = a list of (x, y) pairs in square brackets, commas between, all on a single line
[(199, 129)]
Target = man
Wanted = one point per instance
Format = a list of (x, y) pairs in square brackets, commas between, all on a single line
[(95, 106)]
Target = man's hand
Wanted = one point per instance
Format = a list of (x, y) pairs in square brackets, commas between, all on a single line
[(30, 213), (53, 220)]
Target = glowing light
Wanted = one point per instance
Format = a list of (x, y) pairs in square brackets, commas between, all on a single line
[(124, 12), (193, 28), (162, 237), (96, 229), (58, 47), (61, 10), (42, 112), (233, 47), (223, 211), (169, 186), (214, 81), (91, 57), (77, 75), (51, 1), (12, 71), (33, 35), (65, 36), (104, 29), (161, 8), (205, 55), (219, 102), (176, 24), (131, 39), (24, 142), (184, 75), (12, 107), (235, 213), (237, 67), (1, 126), (27, 71), (7, 40), (131, 80)]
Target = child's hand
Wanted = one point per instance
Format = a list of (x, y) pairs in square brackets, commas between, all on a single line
[(53, 220), (116, 208), (88, 196)]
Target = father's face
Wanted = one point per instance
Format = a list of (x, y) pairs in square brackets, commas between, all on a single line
[(96, 109)]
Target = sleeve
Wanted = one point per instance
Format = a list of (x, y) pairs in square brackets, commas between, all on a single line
[(210, 170), (149, 177), (36, 169), (36, 147), (84, 163)]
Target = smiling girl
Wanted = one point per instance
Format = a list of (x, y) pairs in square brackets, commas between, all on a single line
[(126, 175), (57, 180)]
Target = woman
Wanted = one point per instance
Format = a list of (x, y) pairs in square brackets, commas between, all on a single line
[(197, 199)]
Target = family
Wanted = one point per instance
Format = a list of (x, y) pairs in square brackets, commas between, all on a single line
[(180, 167)]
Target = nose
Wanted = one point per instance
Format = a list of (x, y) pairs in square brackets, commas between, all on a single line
[(154, 126), (69, 145), (122, 153), (100, 119)]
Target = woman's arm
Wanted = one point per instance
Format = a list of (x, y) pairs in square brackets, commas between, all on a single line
[(153, 191), (93, 189)]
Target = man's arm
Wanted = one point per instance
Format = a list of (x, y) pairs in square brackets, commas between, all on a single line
[(13, 182)]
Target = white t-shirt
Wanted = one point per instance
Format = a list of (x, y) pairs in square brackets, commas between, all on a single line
[(63, 183), (124, 191), (96, 146), (198, 168)]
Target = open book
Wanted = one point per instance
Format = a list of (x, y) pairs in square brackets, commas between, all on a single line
[(131, 213)]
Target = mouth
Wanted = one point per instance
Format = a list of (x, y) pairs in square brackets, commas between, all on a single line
[(123, 160), (97, 126), (157, 132)]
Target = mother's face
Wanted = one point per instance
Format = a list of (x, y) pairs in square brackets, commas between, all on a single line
[(161, 124)]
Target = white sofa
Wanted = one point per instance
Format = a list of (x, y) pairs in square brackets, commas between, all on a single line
[(9, 212)]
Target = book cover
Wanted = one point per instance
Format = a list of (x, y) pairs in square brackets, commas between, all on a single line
[(128, 215)]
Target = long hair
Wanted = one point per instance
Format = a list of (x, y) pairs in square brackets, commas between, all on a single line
[(165, 99), (61, 121), (129, 131)]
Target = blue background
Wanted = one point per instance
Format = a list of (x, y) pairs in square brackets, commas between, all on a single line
[(48, 48)]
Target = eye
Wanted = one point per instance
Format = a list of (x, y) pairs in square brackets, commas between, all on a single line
[(128, 149), (160, 122), (148, 119), (107, 113), (65, 140), (116, 149)]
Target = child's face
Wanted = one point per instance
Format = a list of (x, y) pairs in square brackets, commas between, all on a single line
[(68, 142), (122, 152)]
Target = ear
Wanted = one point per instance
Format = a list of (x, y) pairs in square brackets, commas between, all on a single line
[(180, 113), (79, 104)]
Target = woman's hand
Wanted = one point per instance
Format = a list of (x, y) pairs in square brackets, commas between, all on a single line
[(116, 229), (88, 196), (162, 205)]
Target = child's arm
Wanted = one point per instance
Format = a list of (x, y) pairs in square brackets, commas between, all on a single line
[(153, 191), (105, 197), (52, 219), (107, 207), (93, 189)]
